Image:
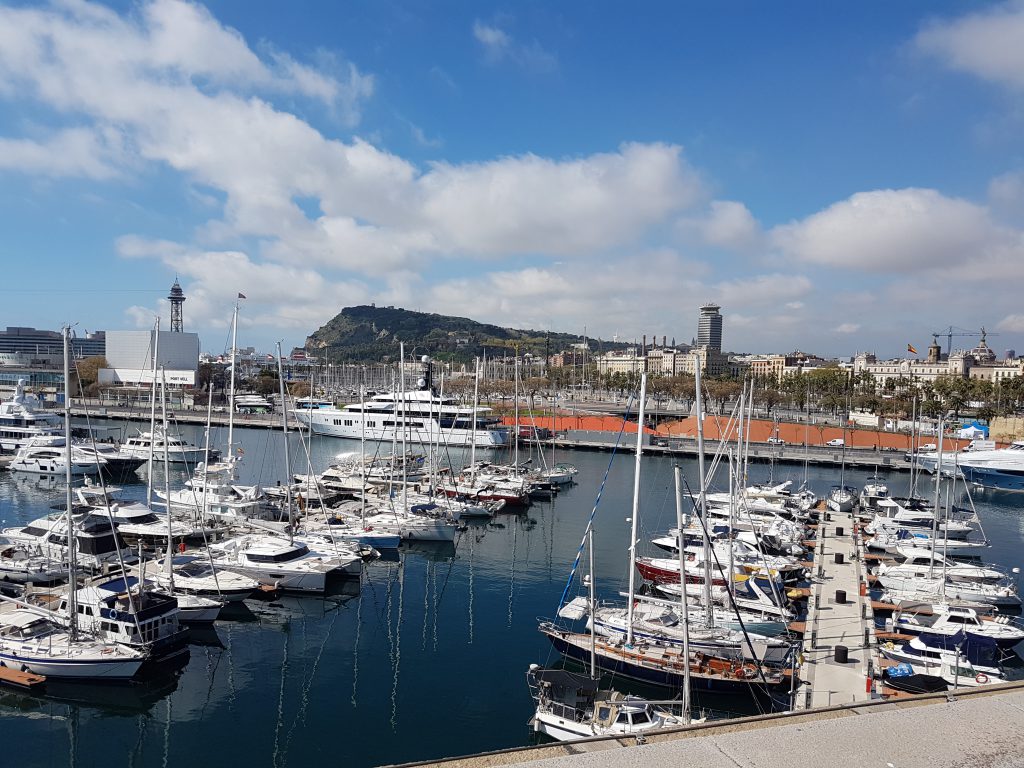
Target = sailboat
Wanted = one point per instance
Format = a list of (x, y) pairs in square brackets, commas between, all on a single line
[(640, 658), (34, 640), (285, 561), (192, 608)]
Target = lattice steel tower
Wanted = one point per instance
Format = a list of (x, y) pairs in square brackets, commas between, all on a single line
[(177, 298)]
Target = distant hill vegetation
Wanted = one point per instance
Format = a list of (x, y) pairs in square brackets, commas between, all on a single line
[(372, 334)]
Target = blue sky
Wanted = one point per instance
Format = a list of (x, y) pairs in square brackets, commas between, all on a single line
[(838, 177)]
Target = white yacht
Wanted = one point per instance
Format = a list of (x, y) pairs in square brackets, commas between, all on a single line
[(1001, 468), (47, 455), (124, 611), (134, 520), (195, 576), (34, 643), (22, 419), (570, 706), (280, 562), (22, 563), (98, 543), (145, 444), (422, 415), (212, 491)]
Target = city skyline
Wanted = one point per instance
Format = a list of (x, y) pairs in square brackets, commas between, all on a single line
[(837, 180)]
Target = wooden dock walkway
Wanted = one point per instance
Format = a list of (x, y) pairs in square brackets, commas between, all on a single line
[(838, 630)]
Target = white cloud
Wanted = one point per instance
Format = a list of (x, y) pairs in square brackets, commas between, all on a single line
[(532, 204), (726, 224), (847, 328), (891, 231), (988, 44), (1012, 323), (499, 45), (86, 152)]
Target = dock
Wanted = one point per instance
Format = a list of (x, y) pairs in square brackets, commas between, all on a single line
[(17, 679), (838, 632), (978, 726)]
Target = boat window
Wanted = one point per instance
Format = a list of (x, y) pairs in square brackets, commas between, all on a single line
[(641, 717), (622, 718), (34, 531), (954, 619), (280, 557)]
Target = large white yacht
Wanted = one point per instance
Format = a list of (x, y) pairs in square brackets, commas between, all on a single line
[(145, 444), (1001, 468), (21, 420), (422, 415), (98, 543), (48, 455), (282, 563)]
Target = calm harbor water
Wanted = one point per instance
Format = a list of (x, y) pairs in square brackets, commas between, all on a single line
[(421, 658)]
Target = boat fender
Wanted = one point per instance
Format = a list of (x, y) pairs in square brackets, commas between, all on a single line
[(981, 678)]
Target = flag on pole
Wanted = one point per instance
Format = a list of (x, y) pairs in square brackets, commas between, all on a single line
[(241, 295), (911, 349)]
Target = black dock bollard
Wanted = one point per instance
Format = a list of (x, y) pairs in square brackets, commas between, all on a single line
[(841, 596), (839, 531), (842, 654), (839, 558)]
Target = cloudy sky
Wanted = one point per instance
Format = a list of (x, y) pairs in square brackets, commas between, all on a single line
[(839, 177)]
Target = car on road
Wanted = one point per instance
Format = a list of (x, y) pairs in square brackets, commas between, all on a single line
[(775, 441), (927, 448), (836, 442)]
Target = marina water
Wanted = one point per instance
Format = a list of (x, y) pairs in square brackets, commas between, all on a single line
[(424, 657)]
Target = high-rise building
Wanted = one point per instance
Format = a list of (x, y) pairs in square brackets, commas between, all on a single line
[(709, 327)]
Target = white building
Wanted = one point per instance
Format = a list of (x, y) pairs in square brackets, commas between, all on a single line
[(130, 357)]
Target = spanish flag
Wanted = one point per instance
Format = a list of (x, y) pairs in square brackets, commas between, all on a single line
[(911, 350)]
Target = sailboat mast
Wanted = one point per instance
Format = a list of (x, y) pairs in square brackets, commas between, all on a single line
[(938, 489), (684, 610), (167, 473), (72, 538), (593, 624), (287, 458), (472, 434), (405, 426), (231, 385), (515, 399), (636, 507), (698, 406), (152, 416)]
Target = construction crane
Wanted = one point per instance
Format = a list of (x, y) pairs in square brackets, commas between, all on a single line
[(952, 331)]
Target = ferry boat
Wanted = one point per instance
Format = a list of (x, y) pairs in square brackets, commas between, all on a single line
[(21, 420), (421, 414)]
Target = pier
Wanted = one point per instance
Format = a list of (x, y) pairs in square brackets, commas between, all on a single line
[(837, 663), (887, 459), (978, 726)]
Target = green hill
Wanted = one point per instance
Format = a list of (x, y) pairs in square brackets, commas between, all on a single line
[(372, 334)]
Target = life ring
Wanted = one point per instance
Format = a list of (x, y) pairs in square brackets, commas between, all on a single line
[(981, 678), (113, 615)]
